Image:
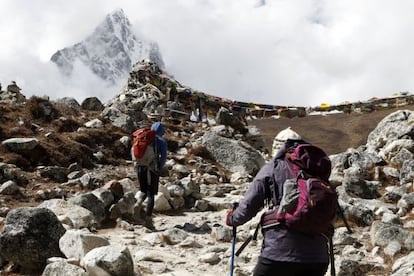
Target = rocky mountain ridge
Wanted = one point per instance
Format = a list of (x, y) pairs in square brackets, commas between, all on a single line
[(109, 51), (72, 160)]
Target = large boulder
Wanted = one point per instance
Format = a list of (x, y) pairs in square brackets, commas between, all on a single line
[(61, 268), (113, 260), (75, 243), (232, 154), (30, 236), (92, 103), (70, 214), (394, 126), (69, 101), (90, 202), (225, 117)]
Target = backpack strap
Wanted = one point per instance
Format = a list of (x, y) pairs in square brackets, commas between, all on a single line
[(331, 253), (282, 170), (273, 189), (269, 191), (154, 144), (331, 257), (153, 167)]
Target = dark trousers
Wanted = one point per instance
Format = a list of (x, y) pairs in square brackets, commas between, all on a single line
[(266, 267), (148, 184)]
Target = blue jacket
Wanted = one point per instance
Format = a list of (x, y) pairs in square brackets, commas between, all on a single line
[(160, 143), (279, 244)]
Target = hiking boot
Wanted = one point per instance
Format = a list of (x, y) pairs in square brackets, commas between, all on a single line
[(137, 214), (149, 223)]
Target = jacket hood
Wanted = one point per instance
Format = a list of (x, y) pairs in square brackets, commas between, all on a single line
[(158, 128)]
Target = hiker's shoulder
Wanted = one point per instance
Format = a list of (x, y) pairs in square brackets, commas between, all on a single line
[(161, 139), (266, 170)]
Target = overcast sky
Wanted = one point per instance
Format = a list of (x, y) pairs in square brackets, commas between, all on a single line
[(277, 52)]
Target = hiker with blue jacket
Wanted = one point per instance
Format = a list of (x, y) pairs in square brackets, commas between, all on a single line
[(149, 176), (284, 252)]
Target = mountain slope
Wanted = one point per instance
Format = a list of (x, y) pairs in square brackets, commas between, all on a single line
[(109, 51), (335, 133)]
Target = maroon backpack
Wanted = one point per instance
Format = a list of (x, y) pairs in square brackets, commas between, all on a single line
[(309, 202)]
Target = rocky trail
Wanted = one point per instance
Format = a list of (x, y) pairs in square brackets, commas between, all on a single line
[(73, 160)]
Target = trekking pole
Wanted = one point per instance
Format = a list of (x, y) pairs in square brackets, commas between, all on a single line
[(249, 239), (233, 243), (341, 213)]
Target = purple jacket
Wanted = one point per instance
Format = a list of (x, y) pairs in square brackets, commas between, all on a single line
[(279, 244)]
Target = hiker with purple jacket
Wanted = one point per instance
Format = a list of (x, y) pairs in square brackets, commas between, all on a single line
[(284, 252)]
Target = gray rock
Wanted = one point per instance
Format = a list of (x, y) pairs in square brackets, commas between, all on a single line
[(9, 188), (93, 104), (225, 117), (392, 127), (76, 243), (174, 236), (56, 173), (69, 101), (114, 260), (384, 233), (61, 268), (30, 236), (105, 195), (21, 144), (403, 266), (72, 215), (407, 171), (92, 203), (233, 155)]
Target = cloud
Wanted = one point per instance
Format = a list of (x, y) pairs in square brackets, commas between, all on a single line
[(275, 51)]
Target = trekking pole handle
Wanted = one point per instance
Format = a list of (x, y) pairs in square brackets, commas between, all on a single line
[(235, 205)]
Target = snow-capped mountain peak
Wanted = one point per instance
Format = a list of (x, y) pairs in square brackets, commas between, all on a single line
[(109, 51)]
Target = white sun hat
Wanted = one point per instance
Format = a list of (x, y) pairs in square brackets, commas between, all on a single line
[(281, 138)]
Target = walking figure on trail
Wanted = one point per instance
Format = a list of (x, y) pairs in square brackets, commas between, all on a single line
[(150, 154), (286, 249)]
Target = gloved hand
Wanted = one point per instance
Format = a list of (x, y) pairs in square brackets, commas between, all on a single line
[(228, 217)]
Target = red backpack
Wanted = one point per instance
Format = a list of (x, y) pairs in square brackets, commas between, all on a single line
[(143, 150), (309, 201)]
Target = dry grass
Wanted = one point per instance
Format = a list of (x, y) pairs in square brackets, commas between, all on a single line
[(55, 126), (334, 133)]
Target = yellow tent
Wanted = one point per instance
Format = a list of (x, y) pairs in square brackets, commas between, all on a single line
[(325, 106)]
